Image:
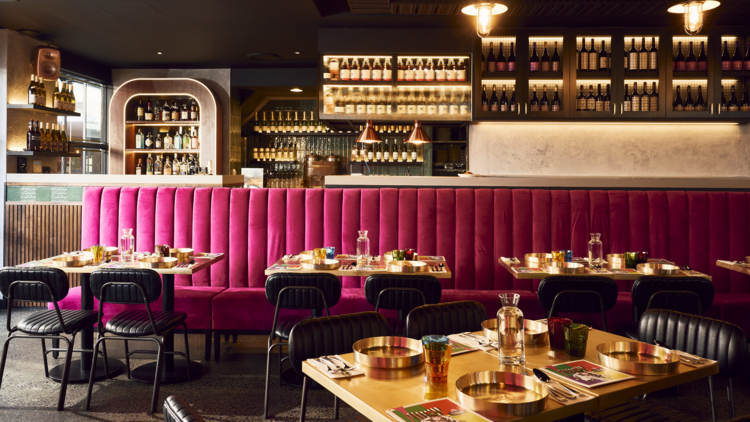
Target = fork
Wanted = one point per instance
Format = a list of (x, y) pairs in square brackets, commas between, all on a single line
[(340, 369), (331, 370), (342, 362)]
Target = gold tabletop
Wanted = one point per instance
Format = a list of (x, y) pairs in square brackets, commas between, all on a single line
[(286, 265), (202, 261), (540, 273)]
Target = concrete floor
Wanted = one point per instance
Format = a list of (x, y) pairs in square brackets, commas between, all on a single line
[(231, 390)]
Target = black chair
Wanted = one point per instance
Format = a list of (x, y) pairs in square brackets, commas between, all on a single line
[(637, 410), (692, 295), (176, 409), (589, 294), (401, 293), (41, 284), (700, 336), (132, 287), (317, 337), (313, 292), (445, 318)]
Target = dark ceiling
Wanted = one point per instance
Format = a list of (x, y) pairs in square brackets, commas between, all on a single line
[(221, 33)]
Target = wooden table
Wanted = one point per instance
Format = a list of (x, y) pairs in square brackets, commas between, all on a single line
[(380, 390), (510, 265), (173, 371), (730, 265), (357, 272)]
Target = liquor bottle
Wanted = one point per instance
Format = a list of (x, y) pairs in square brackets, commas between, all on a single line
[(491, 60), (64, 140), (603, 58), (400, 71), (32, 91), (545, 64), (149, 166), (643, 57), (194, 141), (38, 135), (295, 123), (745, 103), (581, 101), (583, 53), (432, 107), (747, 56), (544, 103), (355, 73), (157, 111), (333, 67), (304, 126), (318, 124), (183, 166), (556, 101), (419, 71), (599, 101), (593, 58), (386, 153), (394, 151), (413, 154), (679, 61), (632, 56), (403, 153), (288, 125), (139, 140), (534, 61), (733, 105), (185, 113), (370, 154), (409, 71), (635, 98), (626, 59), (158, 166), (723, 102), (139, 167), (139, 112), (591, 99), (653, 99), (194, 112), (56, 103), (485, 100), (689, 104), (737, 57), (378, 153), (149, 142), (149, 111), (363, 153), (388, 70), (355, 153), (263, 126), (42, 97), (555, 59), (534, 100), (501, 64), (177, 140), (494, 102), (702, 58), (653, 56), (608, 100), (344, 73), (645, 100), (158, 142), (626, 101), (175, 111), (451, 71), (377, 71), (30, 135), (461, 71), (511, 60), (453, 108), (167, 167), (691, 63), (513, 104), (677, 105), (166, 112), (726, 61), (366, 71)]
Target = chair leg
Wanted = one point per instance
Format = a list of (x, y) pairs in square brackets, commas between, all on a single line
[(268, 378), (217, 346), (157, 377), (711, 395), (2, 360), (44, 356), (92, 374), (106, 364), (303, 405), (187, 350), (66, 373), (234, 338), (281, 366), (730, 393), (55, 345), (127, 358), (335, 408), (209, 334)]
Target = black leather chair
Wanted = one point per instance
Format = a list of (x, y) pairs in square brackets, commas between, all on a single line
[(445, 318), (176, 409), (313, 292), (134, 286), (700, 336), (692, 295), (41, 284), (589, 294), (317, 337), (637, 410), (401, 293)]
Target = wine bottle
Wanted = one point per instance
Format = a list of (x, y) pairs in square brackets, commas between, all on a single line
[(491, 62), (556, 101), (451, 71), (149, 111), (608, 100), (511, 60), (626, 100), (689, 104), (386, 152), (603, 58), (157, 111), (334, 68), (593, 58), (56, 103), (503, 101), (653, 56), (583, 53), (534, 61), (461, 71), (139, 167), (747, 56), (355, 73), (494, 102), (691, 63), (726, 61), (193, 110), (700, 103), (534, 105), (632, 56), (635, 98), (544, 103), (485, 100), (737, 56), (702, 58), (33, 91), (387, 70), (545, 63), (409, 71), (400, 71), (599, 101), (643, 56), (745, 103), (581, 101), (645, 99), (591, 100), (139, 111), (653, 99), (429, 72), (440, 72), (555, 59), (175, 111), (377, 71), (30, 136), (501, 65), (344, 72), (723, 102), (513, 105), (626, 59), (677, 105), (733, 105), (679, 61), (418, 71)]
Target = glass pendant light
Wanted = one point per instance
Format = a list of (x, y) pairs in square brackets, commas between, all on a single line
[(693, 13), (484, 12)]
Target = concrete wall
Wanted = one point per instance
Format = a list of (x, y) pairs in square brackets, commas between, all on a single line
[(583, 149)]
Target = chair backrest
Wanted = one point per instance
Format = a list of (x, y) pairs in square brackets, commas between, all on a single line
[(701, 336), (176, 409), (445, 318), (550, 287), (329, 284), (669, 296), (404, 300), (35, 285), (332, 335), (129, 286)]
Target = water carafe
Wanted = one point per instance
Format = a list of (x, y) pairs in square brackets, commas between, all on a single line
[(363, 248), (510, 331), (127, 246), (596, 256)]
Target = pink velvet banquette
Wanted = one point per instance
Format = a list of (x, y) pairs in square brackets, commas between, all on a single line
[(470, 227)]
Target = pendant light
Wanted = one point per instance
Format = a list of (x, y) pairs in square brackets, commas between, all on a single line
[(484, 10), (693, 12), (368, 135), (417, 135)]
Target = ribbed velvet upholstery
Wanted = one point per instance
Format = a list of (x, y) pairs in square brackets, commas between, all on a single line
[(399, 299), (704, 337), (445, 318), (55, 280), (329, 284)]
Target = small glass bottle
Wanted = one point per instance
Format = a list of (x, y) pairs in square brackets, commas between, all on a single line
[(510, 331), (595, 250), (127, 246), (363, 248)]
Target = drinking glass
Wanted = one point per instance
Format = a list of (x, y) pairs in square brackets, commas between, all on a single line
[(437, 357), (510, 331), (641, 258), (330, 252), (631, 259), (558, 256), (409, 254), (127, 246), (555, 325), (576, 337), (98, 251), (399, 254), (319, 253), (568, 256), (363, 247)]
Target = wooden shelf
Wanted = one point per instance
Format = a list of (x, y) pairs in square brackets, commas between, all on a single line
[(689, 75), (42, 154), (466, 84), (650, 74), (295, 134), (388, 163), (545, 75), (735, 73), (162, 123), (43, 109), (591, 75), (162, 151), (499, 75), (359, 83)]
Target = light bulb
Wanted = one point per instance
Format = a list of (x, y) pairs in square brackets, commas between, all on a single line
[(484, 19), (693, 18)]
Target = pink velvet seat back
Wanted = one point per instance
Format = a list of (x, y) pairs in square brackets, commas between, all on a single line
[(471, 228)]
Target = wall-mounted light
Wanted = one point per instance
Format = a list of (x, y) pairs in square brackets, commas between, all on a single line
[(418, 135), (296, 90), (368, 135), (484, 12), (693, 12)]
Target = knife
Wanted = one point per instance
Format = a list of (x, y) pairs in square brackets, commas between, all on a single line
[(696, 360), (567, 392)]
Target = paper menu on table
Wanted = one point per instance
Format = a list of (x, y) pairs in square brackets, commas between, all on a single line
[(440, 410), (527, 270), (431, 258), (586, 374), (285, 267)]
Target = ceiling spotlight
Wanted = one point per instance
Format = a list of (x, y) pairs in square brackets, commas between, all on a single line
[(158, 52), (296, 90), (484, 12), (296, 52), (693, 12)]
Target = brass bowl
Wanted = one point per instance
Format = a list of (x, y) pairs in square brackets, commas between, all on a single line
[(320, 264), (537, 259), (306, 255), (501, 394), (79, 260), (632, 357), (564, 268), (182, 254), (388, 352), (535, 333), (388, 256), (658, 269), (408, 267), (616, 260), (108, 251), (158, 262)]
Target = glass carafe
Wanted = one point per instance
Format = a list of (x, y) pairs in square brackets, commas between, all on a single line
[(127, 246), (363, 247), (510, 331), (595, 250)]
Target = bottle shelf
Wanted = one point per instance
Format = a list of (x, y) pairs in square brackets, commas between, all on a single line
[(545, 75), (689, 75), (388, 163), (358, 82), (162, 151), (43, 109), (42, 154), (735, 73), (586, 74), (395, 117), (295, 134), (465, 84), (162, 123), (638, 74), (499, 75)]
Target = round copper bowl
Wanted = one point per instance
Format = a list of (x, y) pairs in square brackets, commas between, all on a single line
[(158, 262), (108, 251), (501, 394), (537, 259), (564, 268), (182, 254), (658, 269), (632, 357), (320, 264), (388, 352), (408, 267), (78, 260)]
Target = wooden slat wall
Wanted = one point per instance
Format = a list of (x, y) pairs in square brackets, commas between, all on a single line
[(37, 231)]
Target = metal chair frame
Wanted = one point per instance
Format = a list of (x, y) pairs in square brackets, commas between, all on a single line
[(685, 292), (598, 295), (401, 289)]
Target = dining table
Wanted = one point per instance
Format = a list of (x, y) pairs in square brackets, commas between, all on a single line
[(172, 370), (520, 271), (348, 267), (379, 390), (742, 267)]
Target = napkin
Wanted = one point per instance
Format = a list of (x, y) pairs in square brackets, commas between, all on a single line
[(471, 342), (691, 358), (322, 367)]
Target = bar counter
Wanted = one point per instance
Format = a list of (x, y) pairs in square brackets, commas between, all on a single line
[(542, 182), (28, 179)]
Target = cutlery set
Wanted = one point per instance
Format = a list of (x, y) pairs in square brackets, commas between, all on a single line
[(686, 358), (336, 364)]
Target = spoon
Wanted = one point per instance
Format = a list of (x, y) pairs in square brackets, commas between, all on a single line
[(570, 394)]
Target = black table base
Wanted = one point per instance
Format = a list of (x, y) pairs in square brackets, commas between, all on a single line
[(79, 374), (178, 373)]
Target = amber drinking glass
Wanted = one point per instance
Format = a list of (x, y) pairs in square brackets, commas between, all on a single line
[(319, 253), (437, 357), (98, 251), (558, 256)]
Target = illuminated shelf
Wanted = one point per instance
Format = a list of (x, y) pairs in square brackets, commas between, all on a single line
[(465, 84), (161, 123), (162, 151), (650, 74), (582, 74), (43, 109), (42, 154), (358, 82), (499, 75), (689, 75)]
